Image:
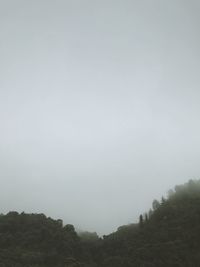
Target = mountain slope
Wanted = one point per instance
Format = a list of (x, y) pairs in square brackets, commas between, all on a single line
[(170, 236), (167, 236)]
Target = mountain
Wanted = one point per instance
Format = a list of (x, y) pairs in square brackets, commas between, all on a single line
[(166, 236)]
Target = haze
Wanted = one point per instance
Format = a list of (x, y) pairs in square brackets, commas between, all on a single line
[(99, 106)]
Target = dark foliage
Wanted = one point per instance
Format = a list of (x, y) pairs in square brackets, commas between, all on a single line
[(35, 240), (167, 236)]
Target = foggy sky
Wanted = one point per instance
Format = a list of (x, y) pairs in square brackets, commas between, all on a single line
[(99, 106)]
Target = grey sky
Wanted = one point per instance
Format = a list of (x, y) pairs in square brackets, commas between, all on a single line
[(99, 106)]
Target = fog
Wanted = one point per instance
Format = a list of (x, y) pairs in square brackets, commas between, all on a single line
[(99, 106)]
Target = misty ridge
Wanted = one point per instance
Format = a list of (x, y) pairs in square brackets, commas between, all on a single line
[(99, 118), (167, 235)]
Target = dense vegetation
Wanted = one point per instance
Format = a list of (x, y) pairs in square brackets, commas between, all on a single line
[(166, 236), (169, 236)]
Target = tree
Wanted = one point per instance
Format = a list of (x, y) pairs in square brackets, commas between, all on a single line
[(155, 204), (146, 217), (141, 221)]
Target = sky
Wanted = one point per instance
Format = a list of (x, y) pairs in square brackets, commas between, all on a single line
[(99, 106)]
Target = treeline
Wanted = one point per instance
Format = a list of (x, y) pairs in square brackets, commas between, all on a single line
[(166, 236), (35, 240)]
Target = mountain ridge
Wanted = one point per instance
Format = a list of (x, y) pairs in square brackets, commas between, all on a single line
[(168, 235)]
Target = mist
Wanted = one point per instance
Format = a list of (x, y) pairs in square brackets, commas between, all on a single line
[(99, 107)]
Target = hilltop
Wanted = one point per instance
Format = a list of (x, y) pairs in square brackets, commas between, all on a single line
[(166, 236)]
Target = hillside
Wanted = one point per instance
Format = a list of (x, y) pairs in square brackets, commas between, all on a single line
[(166, 236), (35, 240)]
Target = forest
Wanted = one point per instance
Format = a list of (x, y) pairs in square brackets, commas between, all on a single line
[(168, 235)]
